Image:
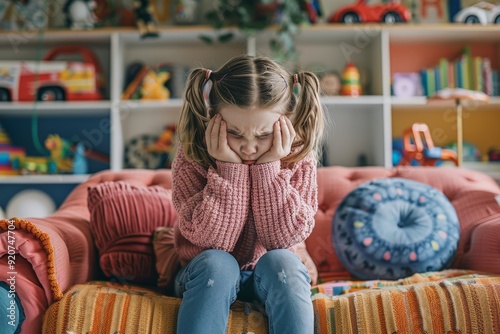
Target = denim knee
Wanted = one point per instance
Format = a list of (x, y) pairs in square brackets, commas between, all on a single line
[(281, 259), (211, 268), (279, 265), (216, 263)]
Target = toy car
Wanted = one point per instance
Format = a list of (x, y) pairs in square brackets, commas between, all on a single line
[(361, 12), (50, 80), (482, 12)]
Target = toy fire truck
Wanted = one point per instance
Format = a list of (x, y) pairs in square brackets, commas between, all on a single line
[(51, 80)]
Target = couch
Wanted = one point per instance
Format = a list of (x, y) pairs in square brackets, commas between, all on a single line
[(56, 262)]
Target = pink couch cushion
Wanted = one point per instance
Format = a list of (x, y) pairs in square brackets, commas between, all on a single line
[(123, 218)]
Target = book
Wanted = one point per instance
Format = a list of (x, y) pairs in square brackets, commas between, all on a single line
[(431, 82), (465, 72), (458, 74), (135, 84), (478, 74), (487, 77), (451, 75), (423, 80), (443, 73)]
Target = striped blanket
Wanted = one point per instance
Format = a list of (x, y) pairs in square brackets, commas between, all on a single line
[(467, 304), (450, 302)]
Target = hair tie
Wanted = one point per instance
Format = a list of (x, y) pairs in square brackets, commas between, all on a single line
[(206, 88), (296, 84), (208, 73)]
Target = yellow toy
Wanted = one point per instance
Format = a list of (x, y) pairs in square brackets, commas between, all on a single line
[(153, 86), (59, 152)]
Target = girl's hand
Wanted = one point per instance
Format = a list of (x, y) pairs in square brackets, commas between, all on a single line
[(284, 135), (216, 138)]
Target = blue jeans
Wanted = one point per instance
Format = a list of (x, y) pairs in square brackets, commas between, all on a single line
[(212, 281)]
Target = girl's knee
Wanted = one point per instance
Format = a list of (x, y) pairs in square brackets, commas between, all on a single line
[(215, 263), (281, 264), (280, 258)]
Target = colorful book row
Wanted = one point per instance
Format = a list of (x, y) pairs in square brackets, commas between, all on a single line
[(467, 71)]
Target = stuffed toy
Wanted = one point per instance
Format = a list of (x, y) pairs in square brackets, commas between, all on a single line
[(80, 14), (145, 18), (153, 86)]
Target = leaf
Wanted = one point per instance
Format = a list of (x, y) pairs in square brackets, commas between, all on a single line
[(207, 39), (223, 38)]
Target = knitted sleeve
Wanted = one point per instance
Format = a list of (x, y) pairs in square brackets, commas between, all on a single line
[(284, 202), (212, 204)]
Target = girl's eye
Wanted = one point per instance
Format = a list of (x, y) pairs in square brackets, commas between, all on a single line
[(265, 136), (235, 135)]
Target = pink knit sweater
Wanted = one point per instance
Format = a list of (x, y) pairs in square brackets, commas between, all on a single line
[(242, 209)]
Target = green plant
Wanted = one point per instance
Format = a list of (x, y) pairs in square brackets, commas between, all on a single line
[(253, 16)]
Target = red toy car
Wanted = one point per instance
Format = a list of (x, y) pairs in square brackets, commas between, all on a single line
[(361, 12)]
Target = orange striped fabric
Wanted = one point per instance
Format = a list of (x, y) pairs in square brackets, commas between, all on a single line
[(104, 307), (467, 305)]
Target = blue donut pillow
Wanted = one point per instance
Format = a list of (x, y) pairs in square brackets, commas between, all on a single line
[(392, 228)]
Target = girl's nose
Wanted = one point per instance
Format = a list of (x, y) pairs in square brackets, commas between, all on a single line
[(248, 148)]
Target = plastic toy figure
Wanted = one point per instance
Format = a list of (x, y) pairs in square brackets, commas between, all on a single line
[(361, 12), (330, 83), (145, 18), (80, 14), (482, 12), (11, 20), (423, 151), (60, 151), (351, 83), (152, 87)]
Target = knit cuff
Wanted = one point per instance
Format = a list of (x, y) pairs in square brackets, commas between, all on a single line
[(232, 172), (265, 172)]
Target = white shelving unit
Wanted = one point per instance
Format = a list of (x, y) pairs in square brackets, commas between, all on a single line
[(357, 126)]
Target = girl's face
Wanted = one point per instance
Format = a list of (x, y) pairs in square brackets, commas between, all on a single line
[(249, 131)]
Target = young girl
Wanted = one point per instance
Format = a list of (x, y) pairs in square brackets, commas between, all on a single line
[(244, 185)]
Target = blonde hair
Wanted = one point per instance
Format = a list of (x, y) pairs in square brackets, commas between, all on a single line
[(245, 82)]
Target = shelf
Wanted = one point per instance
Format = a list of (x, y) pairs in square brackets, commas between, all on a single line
[(422, 101), (451, 32), (133, 105), (44, 179), (35, 36), (177, 103), (62, 108), (399, 32), (353, 101)]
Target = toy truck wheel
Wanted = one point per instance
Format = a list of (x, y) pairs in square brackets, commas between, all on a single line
[(497, 19), (50, 94), (350, 17), (471, 19), (4, 95), (391, 17)]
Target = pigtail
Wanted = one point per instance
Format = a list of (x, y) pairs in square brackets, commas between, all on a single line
[(194, 119), (308, 120)]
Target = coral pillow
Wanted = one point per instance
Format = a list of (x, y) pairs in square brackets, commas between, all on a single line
[(392, 228), (167, 258), (123, 218)]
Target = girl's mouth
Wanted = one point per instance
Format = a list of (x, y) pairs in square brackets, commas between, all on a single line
[(249, 162)]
